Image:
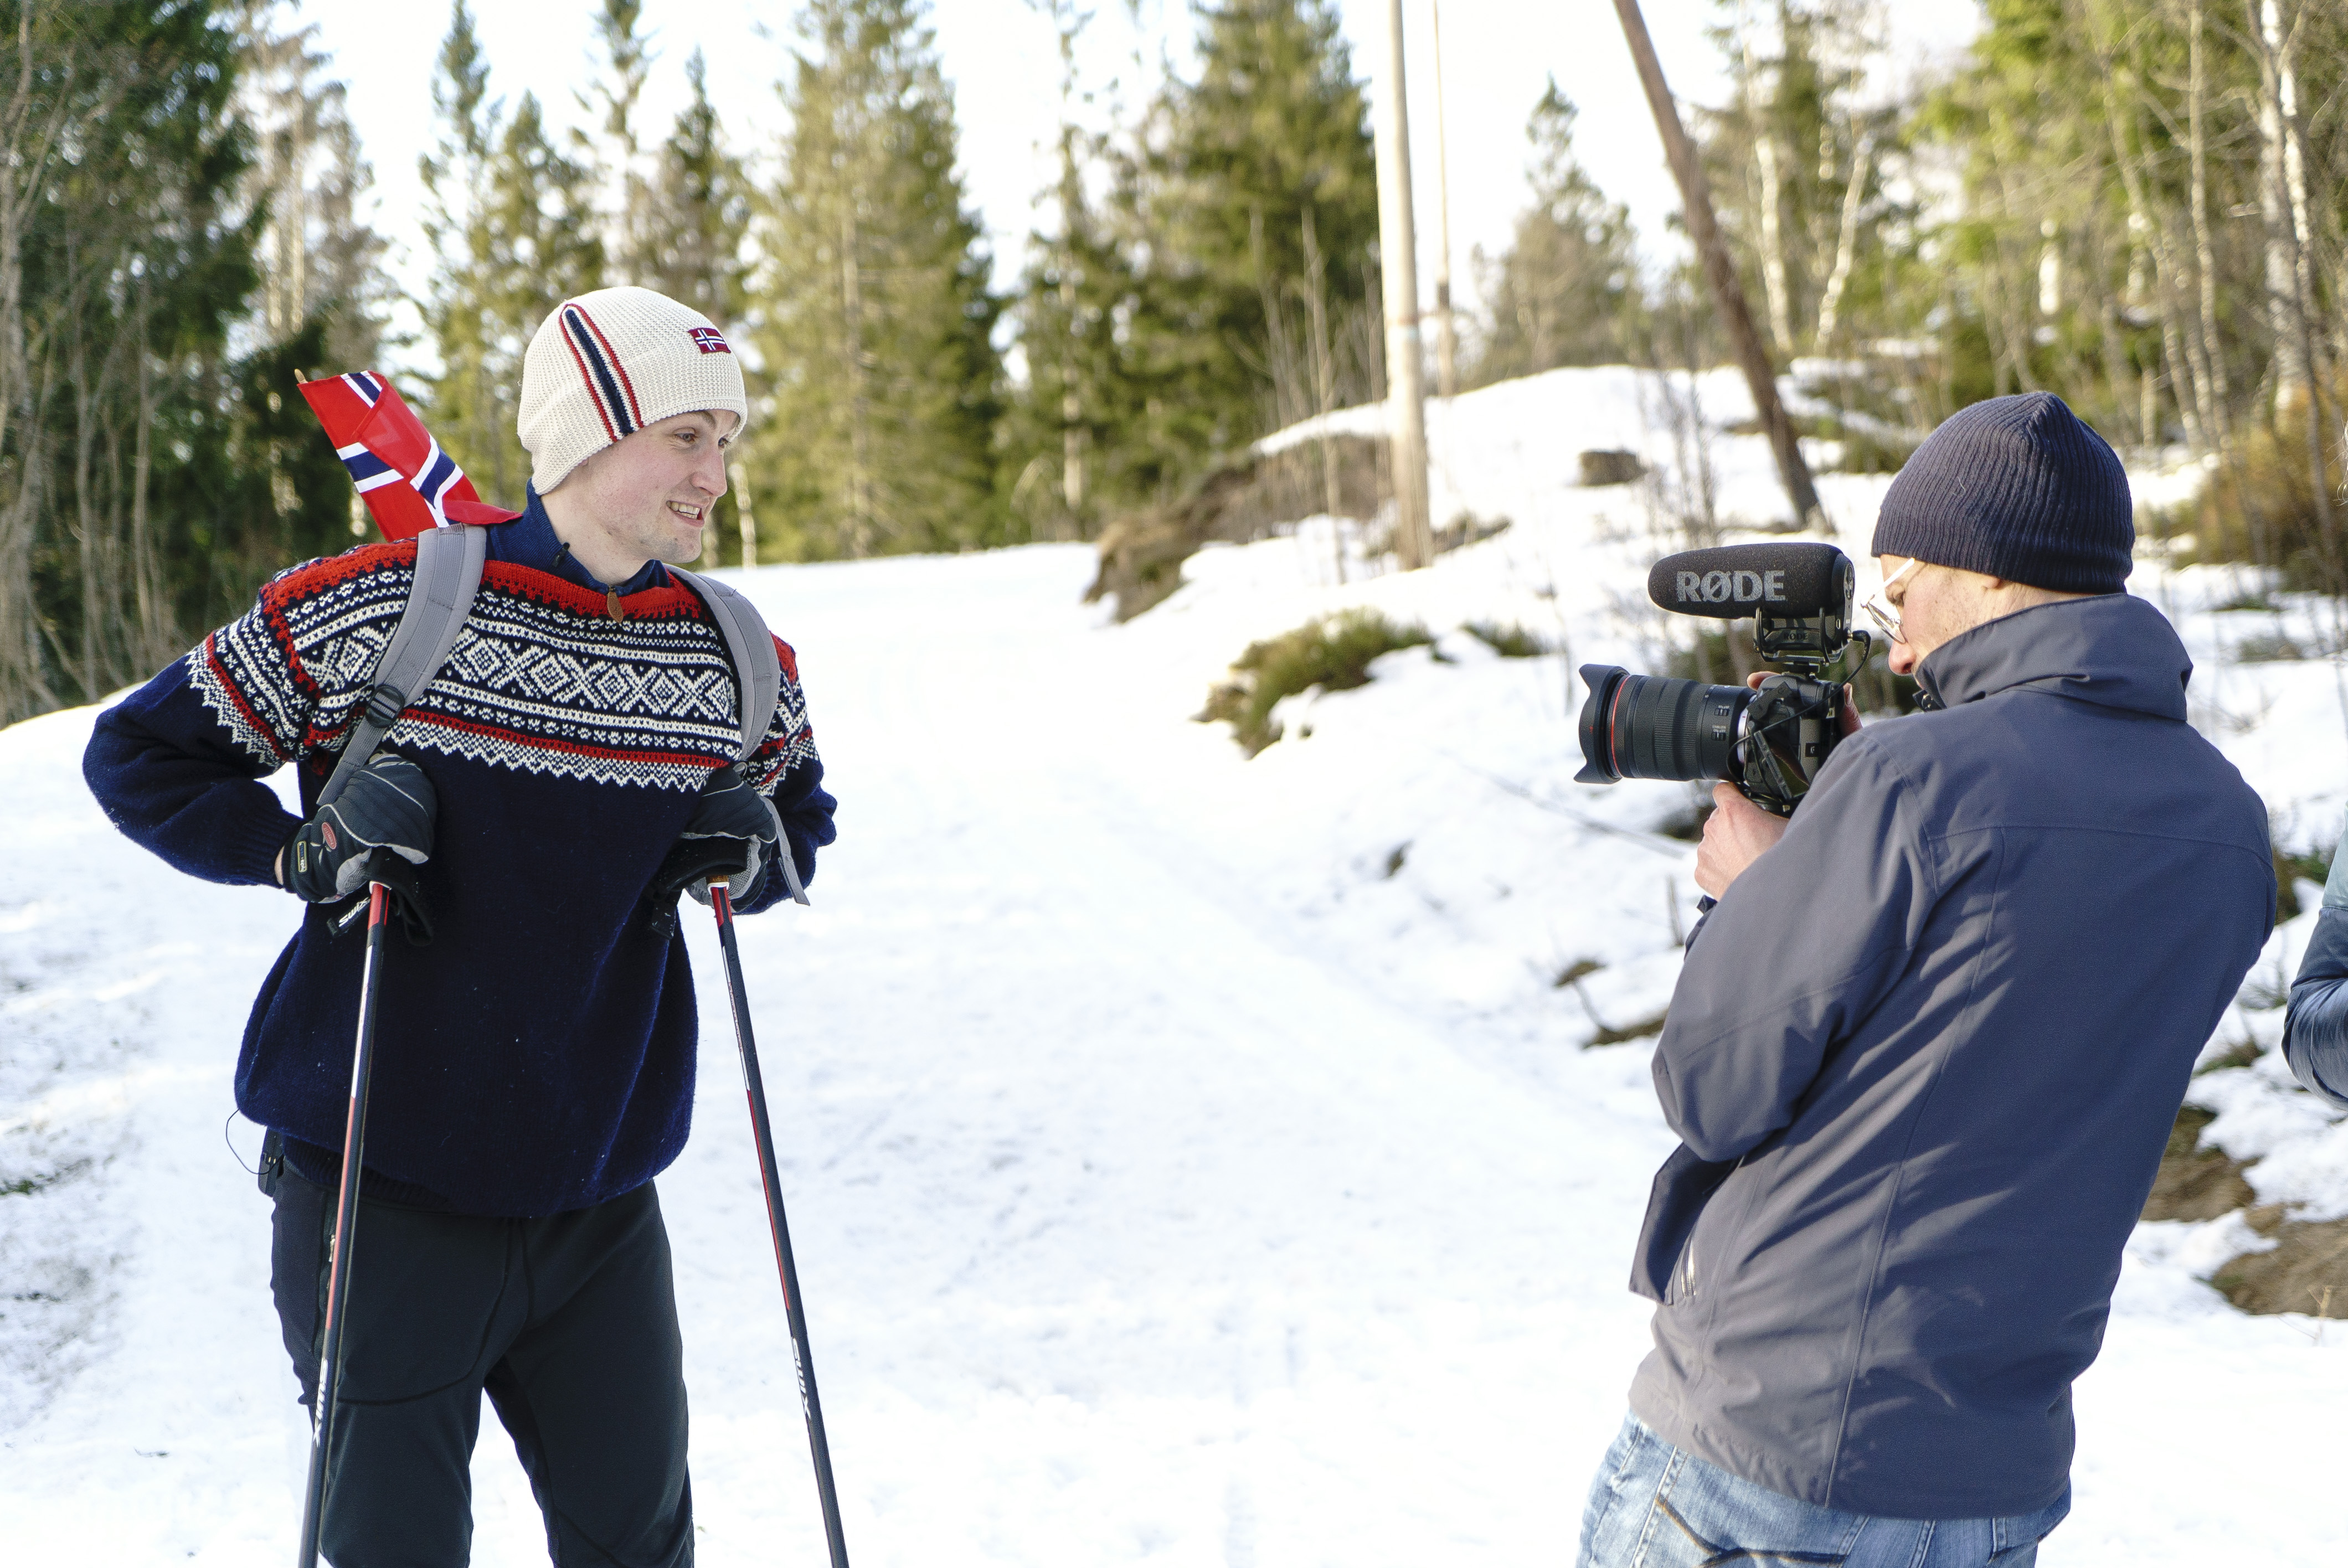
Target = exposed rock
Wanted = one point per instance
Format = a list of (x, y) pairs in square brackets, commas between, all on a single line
[(1611, 467)]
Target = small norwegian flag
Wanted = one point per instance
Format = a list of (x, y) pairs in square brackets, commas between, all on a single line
[(708, 340), (408, 482)]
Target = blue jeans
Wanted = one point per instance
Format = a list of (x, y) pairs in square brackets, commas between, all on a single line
[(1655, 1506)]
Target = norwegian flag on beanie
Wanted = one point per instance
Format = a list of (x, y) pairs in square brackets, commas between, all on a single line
[(408, 482), (607, 363)]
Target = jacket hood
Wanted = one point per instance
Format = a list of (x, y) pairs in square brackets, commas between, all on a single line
[(2113, 649)]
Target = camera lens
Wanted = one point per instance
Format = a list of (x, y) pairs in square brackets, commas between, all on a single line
[(1654, 727)]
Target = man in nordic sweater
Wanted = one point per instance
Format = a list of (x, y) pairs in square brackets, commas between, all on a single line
[(560, 784)]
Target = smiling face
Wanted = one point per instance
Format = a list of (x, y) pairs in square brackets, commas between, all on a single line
[(647, 497)]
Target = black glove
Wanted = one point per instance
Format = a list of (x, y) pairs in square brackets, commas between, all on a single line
[(387, 805), (734, 833)]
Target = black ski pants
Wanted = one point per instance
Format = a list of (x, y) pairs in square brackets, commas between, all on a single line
[(567, 1323)]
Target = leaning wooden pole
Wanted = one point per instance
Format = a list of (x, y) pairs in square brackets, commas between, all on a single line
[(1720, 269), (1399, 261)]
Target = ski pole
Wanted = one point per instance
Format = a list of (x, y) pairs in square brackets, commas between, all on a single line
[(338, 1275), (721, 902)]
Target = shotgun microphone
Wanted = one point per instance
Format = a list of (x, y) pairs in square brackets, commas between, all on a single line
[(1784, 582)]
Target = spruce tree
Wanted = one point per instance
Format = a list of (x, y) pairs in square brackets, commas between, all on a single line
[(465, 406), (512, 221), (149, 479), (1558, 294), (875, 318), (1068, 434), (1276, 126), (698, 212), (629, 194), (1077, 435), (695, 222)]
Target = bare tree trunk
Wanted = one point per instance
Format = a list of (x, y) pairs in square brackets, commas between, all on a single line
[(1325, 382), (1446, 333), (2050, 270), (19, 649), (2180, 350), (1399, 261), (2291, 178), (1072, 422), (145, 569), (85, 400), (1773, 243), (857, 539), (1074, 435), (1854, 196), (1720, 269), (2004, 315), (2216, 394), (2290, 368), (747, 514)]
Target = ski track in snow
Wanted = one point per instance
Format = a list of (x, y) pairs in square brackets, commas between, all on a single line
[(1190, 1159)]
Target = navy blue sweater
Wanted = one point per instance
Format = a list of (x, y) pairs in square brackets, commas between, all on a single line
[(538, 1056)]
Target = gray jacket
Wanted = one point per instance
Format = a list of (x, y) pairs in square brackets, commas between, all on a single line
[(1924, 1056), (2316, 1031)]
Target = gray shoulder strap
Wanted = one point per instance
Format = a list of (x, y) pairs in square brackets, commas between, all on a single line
[(448, 574), (758, 673), (757, 669)]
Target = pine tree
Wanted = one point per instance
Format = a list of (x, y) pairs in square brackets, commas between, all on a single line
[(1559, 293), (1275, 128), (149, 479), (1076, 432), (627, 237), (698, 212), (695, 222), (513, 223), (465, 404), (874, 315), (1066, 432)]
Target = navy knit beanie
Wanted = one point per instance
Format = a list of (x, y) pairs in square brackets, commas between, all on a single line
[(2014, 487)]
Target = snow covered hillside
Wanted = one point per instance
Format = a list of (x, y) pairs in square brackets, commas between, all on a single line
[(1191, 1159)]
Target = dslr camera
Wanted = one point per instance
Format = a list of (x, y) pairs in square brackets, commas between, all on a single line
[(1769, 741)]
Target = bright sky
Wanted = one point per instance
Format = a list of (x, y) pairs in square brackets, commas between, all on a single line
[(1000, 57)]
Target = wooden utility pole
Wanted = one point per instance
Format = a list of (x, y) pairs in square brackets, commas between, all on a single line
[(1399, 261), (1720, 270), (1447, 335)]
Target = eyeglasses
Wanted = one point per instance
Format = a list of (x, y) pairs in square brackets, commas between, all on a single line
[(1881, 610)]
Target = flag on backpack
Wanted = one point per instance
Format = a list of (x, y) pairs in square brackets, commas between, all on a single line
[(409, 484)]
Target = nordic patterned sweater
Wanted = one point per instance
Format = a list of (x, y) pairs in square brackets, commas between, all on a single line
[(538, 1056)]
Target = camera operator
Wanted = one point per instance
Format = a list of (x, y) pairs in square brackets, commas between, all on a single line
[(1927, 1048)]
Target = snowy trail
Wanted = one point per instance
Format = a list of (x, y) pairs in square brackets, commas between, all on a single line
[(1153, 1196), (1166, 1207)]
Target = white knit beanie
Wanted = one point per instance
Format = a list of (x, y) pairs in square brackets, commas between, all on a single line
[(606, 364)]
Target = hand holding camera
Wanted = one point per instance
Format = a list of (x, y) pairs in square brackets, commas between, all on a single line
[(1769, 738), (1737, 832)]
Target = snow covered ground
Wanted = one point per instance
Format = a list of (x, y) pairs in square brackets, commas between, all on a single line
[(1191, 1159)]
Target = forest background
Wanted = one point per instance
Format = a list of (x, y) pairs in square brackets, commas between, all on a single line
[(2143, 206)]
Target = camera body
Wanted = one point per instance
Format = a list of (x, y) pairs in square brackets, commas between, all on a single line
[(1768, 740)]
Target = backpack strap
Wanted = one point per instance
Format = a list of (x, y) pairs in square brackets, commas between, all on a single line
[(758, 676), (448, 574), (757, 668)]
